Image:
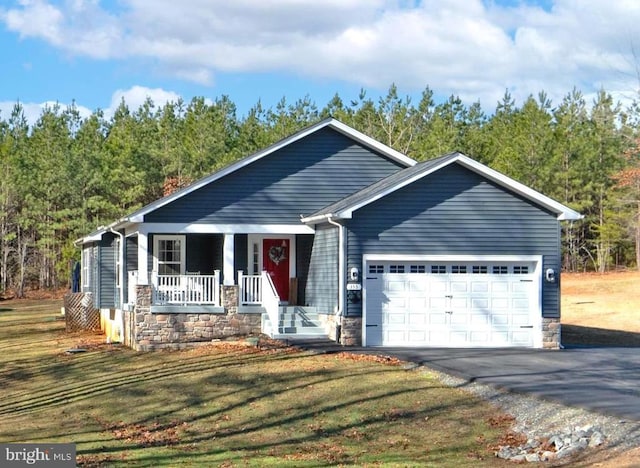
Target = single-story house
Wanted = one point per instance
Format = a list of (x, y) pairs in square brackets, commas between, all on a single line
[(331, 233)]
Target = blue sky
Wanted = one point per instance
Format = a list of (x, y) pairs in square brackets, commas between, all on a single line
[(96, 52)]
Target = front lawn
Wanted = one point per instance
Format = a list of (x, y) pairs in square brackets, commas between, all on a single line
[(228, 405)]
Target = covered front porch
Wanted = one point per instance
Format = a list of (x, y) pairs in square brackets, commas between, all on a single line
[(185, 315), (199, 274)]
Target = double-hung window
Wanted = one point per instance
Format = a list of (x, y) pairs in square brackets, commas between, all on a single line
[(169, 257)]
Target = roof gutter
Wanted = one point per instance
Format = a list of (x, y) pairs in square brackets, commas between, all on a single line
[(341, 262)]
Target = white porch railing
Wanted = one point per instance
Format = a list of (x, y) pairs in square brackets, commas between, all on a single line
[(250, 289), (258, 290), (271, 302), (186, 289)]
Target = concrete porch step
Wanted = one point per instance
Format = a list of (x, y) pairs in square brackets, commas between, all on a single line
[(298, 321)]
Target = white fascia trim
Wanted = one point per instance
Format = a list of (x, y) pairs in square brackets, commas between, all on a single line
[(564, 213), (183, 228), (368, 141)]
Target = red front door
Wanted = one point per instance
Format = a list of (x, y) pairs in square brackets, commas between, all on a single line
[(275, 255)]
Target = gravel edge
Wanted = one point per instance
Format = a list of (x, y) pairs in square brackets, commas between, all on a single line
[(536, 417)]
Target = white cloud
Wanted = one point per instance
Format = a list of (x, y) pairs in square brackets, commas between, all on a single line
[(32, 111), (472, 48), (133, 97)]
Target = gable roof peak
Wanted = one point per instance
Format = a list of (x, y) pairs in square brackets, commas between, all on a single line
[(344, 208)]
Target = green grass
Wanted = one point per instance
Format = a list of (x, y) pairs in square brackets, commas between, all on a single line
[(228, 405)]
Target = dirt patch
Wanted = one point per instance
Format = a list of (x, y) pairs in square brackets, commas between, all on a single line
[(601, 309)]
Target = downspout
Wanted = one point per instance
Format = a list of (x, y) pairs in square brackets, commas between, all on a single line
[(341, 272), (121, 286)]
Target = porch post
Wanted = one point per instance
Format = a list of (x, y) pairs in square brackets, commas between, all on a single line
[(227, 270), (143, 255)]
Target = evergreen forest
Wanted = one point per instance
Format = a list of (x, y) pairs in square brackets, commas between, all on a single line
[(65, 175)]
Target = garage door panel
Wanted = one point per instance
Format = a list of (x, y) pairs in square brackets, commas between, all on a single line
[(458, 303), (418, 286), (395, 302), (458, 286), (499, 319), (479, 319), (394, 336), (395, 318), (395, 285), (478, 338), (417, 336), (480, 304), (499, 287), (458, 337), (521, 338), (417, 319), (500, 338), (453, 304), (521, 304), (520, 319), (438, 286), (478, 287), (438, 319), (500, 303)]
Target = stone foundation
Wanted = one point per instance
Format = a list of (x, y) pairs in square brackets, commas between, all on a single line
[(551, 333), (180, 330), (351, 331)]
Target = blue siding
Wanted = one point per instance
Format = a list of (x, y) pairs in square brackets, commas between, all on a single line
[(298, 179), (240, 253), (456, 212), (304, 247), (107, 268), (131, 262), (322, 282), (131, 253)]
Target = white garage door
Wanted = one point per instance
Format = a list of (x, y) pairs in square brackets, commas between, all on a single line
[(451, 304)]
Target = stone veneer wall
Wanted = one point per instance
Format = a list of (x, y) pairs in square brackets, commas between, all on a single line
[(351, 331), (182, 330), (551, 333)]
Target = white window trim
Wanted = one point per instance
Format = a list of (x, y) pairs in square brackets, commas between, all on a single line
[(183, 250)]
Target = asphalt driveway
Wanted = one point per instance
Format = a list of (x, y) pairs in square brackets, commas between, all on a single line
[(606, 380)]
